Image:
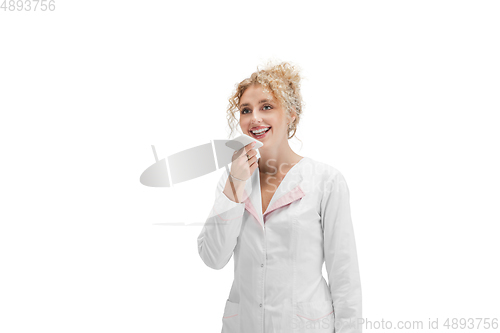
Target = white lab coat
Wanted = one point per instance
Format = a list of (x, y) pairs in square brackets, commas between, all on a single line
[(278, 256)]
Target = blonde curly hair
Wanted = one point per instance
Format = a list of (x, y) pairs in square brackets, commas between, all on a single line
[(282, 80)]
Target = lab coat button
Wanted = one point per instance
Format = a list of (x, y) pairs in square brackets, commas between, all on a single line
[(260, 304), (261, 265)]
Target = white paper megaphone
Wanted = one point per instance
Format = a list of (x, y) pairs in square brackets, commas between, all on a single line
[(190, 163)]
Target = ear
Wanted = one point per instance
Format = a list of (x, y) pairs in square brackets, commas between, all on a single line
[(294, 113)]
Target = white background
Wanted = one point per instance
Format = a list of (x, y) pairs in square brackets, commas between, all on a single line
[(401, 96)]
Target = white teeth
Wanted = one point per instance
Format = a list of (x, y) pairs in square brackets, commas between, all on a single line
[(260, 131)]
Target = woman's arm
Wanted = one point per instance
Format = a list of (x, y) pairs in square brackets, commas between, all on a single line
[(218, 237), (340, 254)]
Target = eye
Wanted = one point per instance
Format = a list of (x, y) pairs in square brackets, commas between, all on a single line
[(270, 107), (243, 111)]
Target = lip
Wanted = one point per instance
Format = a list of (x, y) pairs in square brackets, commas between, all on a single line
[(261, 136), (258, 128)]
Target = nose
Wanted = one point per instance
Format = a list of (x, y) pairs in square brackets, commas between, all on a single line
[(256, 118)]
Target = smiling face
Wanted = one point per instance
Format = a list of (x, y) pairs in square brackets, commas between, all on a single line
[(260, 110)]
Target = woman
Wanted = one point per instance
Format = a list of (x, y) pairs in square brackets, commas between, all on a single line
[(281, 222)]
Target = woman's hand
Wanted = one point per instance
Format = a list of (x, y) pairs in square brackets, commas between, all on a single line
[(243, 167)]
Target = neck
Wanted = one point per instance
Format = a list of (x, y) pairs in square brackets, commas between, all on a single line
[(271, 160)]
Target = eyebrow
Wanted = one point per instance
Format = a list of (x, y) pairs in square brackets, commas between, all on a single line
[(260, 102)]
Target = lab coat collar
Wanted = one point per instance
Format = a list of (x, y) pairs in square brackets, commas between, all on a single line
[(287, 192)]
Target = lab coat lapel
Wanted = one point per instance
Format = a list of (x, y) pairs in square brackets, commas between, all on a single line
[(253, 201), (287, 198), (287, 192)]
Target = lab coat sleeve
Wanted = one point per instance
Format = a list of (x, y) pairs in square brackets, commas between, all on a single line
[(340, 255), (219, 235)]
